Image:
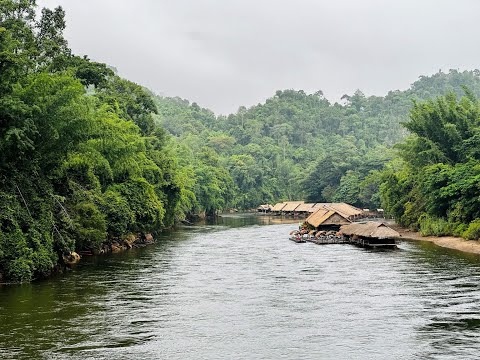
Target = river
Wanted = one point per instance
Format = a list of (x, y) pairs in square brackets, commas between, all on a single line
[(240, 290)]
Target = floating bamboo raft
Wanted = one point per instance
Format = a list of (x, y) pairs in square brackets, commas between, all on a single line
[(366, 234)]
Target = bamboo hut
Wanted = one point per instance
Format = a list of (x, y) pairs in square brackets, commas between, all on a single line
[(326, 219), (291, 206), (265, 208), (348, 211), (278, 207), (305, 208), (370, 234), (315, 207)]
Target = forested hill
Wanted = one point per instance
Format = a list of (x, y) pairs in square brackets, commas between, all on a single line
[(298, 145), (89, 160)]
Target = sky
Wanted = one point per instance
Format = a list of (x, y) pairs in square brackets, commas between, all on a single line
[(226, 53)]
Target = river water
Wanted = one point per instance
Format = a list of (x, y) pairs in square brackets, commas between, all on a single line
[(240, 290)]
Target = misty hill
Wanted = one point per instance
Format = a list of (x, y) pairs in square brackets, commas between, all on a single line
[(93, 162), (298, 145)]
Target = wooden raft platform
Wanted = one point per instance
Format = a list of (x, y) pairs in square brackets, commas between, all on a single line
[(328, 240), (369, 234)]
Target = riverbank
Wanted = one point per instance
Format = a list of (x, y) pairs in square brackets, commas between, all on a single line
[(67, 261), (449, 242)]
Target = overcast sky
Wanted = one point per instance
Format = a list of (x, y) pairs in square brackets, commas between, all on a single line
[(227, 53)]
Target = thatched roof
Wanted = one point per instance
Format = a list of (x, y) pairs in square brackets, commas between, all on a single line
[(292, 205), (326, 217), (344, 209), (370, 229), (265, 207), (305, 207), (315, 207), (279, 206), (318, 217)]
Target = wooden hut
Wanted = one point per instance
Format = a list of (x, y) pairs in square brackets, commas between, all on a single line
[(290, 207), (305, 208), (315, 208), (278, 207), (346, 210), (265, 208), (370, 234), (326, 219)]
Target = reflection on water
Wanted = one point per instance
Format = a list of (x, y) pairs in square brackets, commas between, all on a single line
[(241, 219), (240, 289)]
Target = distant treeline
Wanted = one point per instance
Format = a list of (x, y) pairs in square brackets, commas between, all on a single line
[(88, 157), (300, 146)]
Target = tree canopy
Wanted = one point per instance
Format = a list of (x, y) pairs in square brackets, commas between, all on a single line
[(87, 156), (81, 160), (301, 146), (435, 185)]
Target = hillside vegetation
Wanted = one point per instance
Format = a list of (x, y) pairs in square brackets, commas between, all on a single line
[(435, 184), (88, 158), (300, 146), (82, 161)]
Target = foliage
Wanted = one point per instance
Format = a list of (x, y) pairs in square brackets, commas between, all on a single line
[(434, 226), (437, 188), (473, 230), (300, 146), (87, 156), (82, 160)]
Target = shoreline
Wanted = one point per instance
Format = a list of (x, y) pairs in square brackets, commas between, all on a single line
[(448, 242), (115, 246)]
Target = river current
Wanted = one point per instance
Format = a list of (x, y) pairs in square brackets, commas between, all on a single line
[(240, 289)]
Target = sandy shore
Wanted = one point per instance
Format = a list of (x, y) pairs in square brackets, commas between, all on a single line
[(449, 242)]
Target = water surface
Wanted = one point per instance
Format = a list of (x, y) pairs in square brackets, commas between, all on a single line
[(240, 289)]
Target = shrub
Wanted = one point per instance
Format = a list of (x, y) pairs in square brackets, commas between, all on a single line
[(473, 231), (20, 270), (90, 226), (460, 229), (43, 262), (434, 226), (119, 215), (143, 204)]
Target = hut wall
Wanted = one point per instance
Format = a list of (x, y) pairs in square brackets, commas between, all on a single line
[(329, 227), (335, 219), (367, 241)]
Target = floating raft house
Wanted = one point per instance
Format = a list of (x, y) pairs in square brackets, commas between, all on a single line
[(330, 216), (287, 208), (305, 208), (278, 207), (299, 207), (265, 208), (348, 211), (291, 206), (370, 234), (327, 219)]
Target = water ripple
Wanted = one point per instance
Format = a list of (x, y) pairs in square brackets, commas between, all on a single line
[(247, 292)]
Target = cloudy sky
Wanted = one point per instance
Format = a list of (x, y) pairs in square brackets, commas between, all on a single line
[(227, 53)]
